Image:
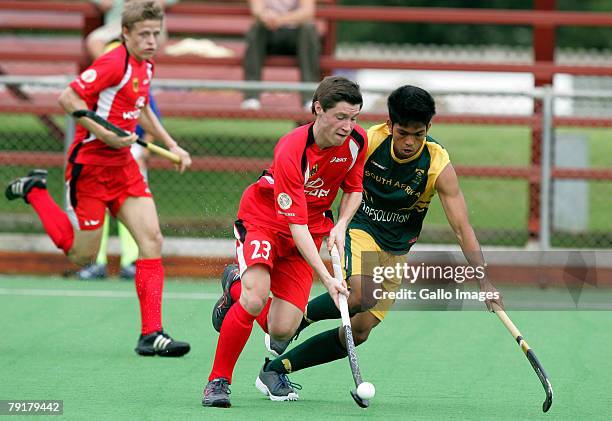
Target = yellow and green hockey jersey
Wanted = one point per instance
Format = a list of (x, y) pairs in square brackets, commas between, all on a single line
[(397, 192)]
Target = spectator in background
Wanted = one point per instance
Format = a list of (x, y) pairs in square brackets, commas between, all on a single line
[(97, 41), (284, 27)]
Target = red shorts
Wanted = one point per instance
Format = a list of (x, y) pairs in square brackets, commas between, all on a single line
[(93, 188), (290, 274)]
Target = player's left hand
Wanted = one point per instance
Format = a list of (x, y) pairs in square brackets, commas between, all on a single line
[(185, 158), (487, 286)]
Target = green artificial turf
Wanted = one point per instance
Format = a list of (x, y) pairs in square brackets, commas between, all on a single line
[(71, 340)]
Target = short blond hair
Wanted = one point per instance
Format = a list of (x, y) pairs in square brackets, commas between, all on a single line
[(138, 11)]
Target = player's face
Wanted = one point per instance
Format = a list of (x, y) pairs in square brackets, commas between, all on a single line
[(141, 41), (334, 125), (408, 139)]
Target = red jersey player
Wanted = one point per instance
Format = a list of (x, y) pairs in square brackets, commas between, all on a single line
[(282, 220), (101, 172)]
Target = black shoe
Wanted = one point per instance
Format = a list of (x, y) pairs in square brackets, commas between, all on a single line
[(91, 272), (230, 275), (20, 187), (276, 386), (216, 393), (276, 347), (160, 343)]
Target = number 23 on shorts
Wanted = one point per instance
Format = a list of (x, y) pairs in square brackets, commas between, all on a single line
[(255, 246), (261, 249)]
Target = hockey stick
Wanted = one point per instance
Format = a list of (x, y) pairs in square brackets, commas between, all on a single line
[(528, 353), (109, 126), (348, 333)]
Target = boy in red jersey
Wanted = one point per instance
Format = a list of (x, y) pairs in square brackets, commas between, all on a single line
[(101, 172), (282, 220)]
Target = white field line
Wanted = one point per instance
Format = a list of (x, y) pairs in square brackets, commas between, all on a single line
[(102, 294), (522, 305)]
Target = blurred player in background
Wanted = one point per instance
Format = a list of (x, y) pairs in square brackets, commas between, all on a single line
[(404, 169), (102, 173), (282, 220), (128, 247), (127, 244)]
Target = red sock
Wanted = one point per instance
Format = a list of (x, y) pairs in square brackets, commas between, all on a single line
[(234, 335), (54, 219), (149, 286), (236, 290), (262, 319)]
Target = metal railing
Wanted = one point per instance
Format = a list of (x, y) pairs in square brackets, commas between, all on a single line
[(228, 156)]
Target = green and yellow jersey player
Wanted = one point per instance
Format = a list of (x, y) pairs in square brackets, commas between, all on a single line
[(404, 169), (401, 173)]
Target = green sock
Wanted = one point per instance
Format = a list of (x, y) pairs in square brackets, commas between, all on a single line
[(322, 308), (101, 258), (129, 248), (320, 349)]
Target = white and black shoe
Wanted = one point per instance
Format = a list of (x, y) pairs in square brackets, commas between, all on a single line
[(160, 343), (20, 187)]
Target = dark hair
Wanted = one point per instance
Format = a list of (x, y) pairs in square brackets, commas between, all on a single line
[(409, 104), (335, 89), (138, 11)]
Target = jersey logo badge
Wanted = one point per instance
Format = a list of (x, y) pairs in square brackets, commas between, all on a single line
[(284, 201), (313, 170), (314, 188), (89, 75), (418, 177), (135, 84), (315, 184), (336, 159)]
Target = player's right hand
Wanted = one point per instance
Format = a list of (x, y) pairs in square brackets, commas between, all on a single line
[(335, 289), (487, 286), (185, 158), (117, 142)]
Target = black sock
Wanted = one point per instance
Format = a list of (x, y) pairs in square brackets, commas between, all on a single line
[(320, 349), (303, 325), (322, 308)]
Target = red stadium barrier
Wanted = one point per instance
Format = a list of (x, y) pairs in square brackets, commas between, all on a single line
[(544, 21)]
